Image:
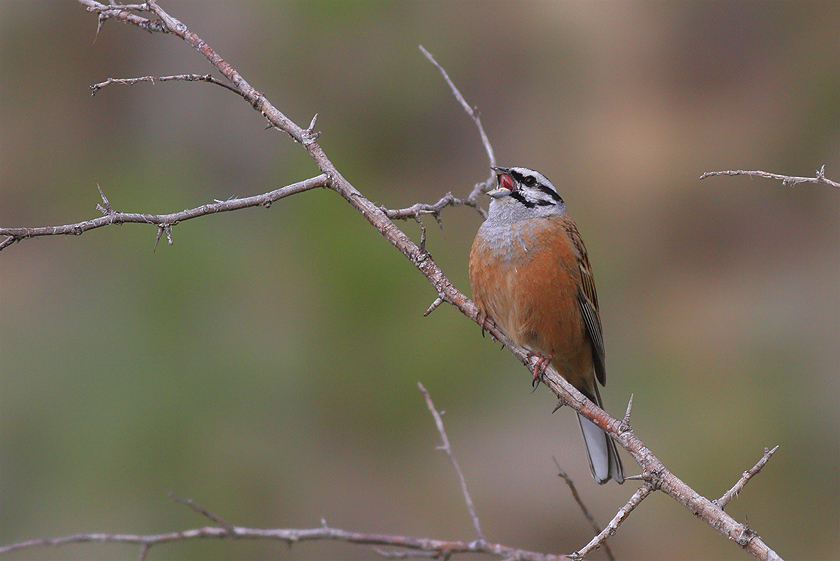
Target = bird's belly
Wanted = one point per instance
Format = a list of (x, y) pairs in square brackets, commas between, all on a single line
[(530, 293)]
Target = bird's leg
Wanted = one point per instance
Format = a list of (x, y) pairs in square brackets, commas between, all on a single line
[(483, 321), (539, 366)]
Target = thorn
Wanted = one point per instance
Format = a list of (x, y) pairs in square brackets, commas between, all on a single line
[(439, 221), (157, 238), (422, 233), (626, 419), (99, 21), (438, 301), (639, 477), (309, 136), (558, 406), (103, 209)]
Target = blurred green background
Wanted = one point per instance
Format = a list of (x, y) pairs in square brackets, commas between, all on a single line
[(266, 364)]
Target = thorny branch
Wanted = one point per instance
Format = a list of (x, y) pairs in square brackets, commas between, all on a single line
[(595, 526), (787, 180), (164, 222), (485, 186), (654, 473), (641, 494), (448, 450), (408, 546), (747, 475), (209, 78), (438, 548)]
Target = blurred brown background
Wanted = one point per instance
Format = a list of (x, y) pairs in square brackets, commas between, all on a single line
[(266, 364)]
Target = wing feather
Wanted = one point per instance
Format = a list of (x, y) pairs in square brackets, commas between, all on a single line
[(588, 302)]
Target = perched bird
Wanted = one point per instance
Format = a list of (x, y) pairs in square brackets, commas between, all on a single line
[(531, 276)]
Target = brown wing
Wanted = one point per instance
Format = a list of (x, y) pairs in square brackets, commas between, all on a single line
[(588, 302)]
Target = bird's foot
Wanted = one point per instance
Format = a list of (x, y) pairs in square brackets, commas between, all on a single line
[(539, 367), (483, 321)]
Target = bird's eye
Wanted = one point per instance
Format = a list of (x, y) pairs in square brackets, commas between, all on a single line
[(530, 181)]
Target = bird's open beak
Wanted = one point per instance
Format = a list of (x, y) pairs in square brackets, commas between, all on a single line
[(506, 183)]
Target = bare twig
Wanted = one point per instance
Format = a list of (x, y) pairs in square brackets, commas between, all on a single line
[(641, 494), (745, 477), (419, 209), (472, 112), (209, 78), (448, 200), (163, 221), (448, 450), (410, 546), (785, 179), (405, 554), (439, 548), (579, 501), (204, 512), (485, 186), (124, 14)]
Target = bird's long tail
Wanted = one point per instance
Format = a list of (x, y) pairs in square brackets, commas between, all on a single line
[(603, 455)]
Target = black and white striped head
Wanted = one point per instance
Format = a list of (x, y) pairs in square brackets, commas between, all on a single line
[(522, 194)]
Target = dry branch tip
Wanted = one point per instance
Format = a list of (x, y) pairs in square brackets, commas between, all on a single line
[(229, 528), (448, 450), (787, 180), (473, 113), (573, 490), (745, 478)]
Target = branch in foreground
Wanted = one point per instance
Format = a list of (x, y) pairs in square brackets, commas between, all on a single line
[(164, 222), (440, 548), (409, 546), (786, 180)]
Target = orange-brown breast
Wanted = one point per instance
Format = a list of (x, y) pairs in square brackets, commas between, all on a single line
[(529, 287)]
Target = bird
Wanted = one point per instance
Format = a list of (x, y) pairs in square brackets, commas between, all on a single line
[(530, 275)]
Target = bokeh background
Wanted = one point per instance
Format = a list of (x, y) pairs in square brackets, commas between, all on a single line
[(266, 364)]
